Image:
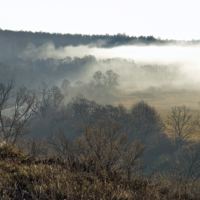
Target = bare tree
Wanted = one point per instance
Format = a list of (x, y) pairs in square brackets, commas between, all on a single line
[(12, 125), (48, 99), (5, 92), (65, 87), (109, 80), (98, 79), (131, 158), (60, 144), (181, 123), (145, 120), (119, 114), (81, 108), (108, 147), (187, 163)]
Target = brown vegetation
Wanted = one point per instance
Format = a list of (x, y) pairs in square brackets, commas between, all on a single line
[(22, 178), (91, 151)]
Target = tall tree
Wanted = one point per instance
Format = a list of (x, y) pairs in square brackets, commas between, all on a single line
[(13, 124), (181, 124), (145, 120)]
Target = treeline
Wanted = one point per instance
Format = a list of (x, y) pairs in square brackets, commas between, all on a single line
[(13, 43), (53, 71)]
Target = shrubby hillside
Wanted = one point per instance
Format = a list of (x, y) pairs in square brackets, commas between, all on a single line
[(64, 134)]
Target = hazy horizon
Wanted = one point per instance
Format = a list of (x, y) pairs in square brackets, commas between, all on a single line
[(166, 19)]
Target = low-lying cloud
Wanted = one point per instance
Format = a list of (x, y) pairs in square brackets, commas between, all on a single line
[(184, 59)]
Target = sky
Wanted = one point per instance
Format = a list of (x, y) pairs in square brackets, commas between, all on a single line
[(167, 19)]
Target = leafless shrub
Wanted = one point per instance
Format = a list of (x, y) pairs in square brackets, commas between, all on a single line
[(188, 162), (63, 148), (108, 147)]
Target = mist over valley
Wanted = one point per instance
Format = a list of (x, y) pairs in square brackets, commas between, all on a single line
[(128, 105)]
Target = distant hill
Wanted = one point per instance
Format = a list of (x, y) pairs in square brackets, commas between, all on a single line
[(13, 43)]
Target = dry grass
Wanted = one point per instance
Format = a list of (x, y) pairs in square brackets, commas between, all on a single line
[(163, 102), (23, 178)]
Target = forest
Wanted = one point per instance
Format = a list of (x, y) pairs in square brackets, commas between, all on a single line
[(95, 128), (12, 43)]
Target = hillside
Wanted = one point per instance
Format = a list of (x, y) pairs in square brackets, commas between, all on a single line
[(23, 177), (13, 43)]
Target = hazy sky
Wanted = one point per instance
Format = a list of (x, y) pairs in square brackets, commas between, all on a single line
[(172, 19)]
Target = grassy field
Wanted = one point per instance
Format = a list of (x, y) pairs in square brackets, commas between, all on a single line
[(162, 101)]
